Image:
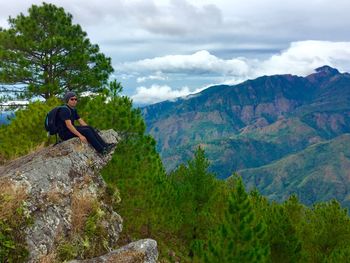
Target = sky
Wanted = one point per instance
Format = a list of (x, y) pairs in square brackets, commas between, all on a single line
[(165, 49)]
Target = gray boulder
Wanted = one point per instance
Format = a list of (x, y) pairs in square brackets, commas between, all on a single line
[(142, 251), (63, 185)]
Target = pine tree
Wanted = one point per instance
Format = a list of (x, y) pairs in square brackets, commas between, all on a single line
[(136, 168), (282, 222), (341, 254), (240, 238), (195, 190), (284, 242), (26, 131), (326, 228), (110, 110), (47, 54)]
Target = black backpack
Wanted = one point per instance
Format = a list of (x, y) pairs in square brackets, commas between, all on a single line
[(51, 120)]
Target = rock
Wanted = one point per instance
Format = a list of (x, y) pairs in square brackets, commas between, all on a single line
[(144, 250), (61, 182)]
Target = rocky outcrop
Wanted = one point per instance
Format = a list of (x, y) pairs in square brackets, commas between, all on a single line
[(144, 250), (65, 193)]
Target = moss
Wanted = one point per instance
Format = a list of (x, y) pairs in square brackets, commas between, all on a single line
[(112, 196), (95, 234), (67, 251), (91, 226)]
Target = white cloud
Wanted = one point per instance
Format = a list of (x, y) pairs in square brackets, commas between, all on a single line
[(201, 62), (301, 58), (157, 76), (157, 93)]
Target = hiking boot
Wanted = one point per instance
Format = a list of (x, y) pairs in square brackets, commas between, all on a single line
[(104, 152), (108, 148), (110, 145)]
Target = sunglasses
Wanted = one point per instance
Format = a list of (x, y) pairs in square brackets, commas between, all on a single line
[(73, 99)]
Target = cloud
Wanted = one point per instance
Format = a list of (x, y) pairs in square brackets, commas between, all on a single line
[(300, 58), (201, 62), (181, 18), (157, 76), (174, 17), (157, 93), (303, 57), (135, 29), (212, 40)]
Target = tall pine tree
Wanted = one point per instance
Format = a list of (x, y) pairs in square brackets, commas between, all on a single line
[(47, 54), (240, 237), (195, 190)]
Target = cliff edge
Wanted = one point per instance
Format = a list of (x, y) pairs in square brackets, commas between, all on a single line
[(68, 205)]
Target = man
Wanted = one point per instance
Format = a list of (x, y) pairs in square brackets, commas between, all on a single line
[(66, 129)]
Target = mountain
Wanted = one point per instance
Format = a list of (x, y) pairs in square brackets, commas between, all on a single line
[(318, 173), (255, 123)]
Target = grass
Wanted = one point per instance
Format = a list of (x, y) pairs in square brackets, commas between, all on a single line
[(14, 219), (89, 235), (82, 206)]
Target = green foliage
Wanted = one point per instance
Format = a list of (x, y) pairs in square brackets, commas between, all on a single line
[(315, 173), (137, 172), (26, 131), (193, 216), (341, 254), (135, 169), (95, 234), (49, 55), (282, 222), (109, 110), (195, 189), (284, 243), (325, 229), (67, 250), (297, 233), (12, 248), (14, 219), (240, 237), (88, 242)]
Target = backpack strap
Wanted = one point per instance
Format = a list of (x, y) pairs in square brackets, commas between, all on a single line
[(70, 112), (58, 140)]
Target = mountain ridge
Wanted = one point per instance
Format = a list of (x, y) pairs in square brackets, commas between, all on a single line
[(312, 184), (253, 123)]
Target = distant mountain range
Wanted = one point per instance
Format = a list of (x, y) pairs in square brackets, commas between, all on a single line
[(283, 133)]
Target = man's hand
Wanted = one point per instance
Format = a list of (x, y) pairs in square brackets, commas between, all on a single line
[(83, 139), (71, 127), (82, 122)]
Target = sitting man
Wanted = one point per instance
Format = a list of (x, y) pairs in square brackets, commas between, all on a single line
[(66, 129)]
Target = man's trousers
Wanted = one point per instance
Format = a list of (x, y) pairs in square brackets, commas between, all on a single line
[(91, 135)]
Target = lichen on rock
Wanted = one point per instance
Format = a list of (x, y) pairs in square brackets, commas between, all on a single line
[(68, 201)]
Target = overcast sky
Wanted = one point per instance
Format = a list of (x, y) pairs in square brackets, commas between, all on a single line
[(165, 49)]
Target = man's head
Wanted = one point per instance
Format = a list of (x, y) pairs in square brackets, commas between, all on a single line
[(71, 98)]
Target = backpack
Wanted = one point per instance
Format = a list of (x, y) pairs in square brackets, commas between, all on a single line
[(51, 120)]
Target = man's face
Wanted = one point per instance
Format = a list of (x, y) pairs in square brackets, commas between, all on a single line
[(72, 102)]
